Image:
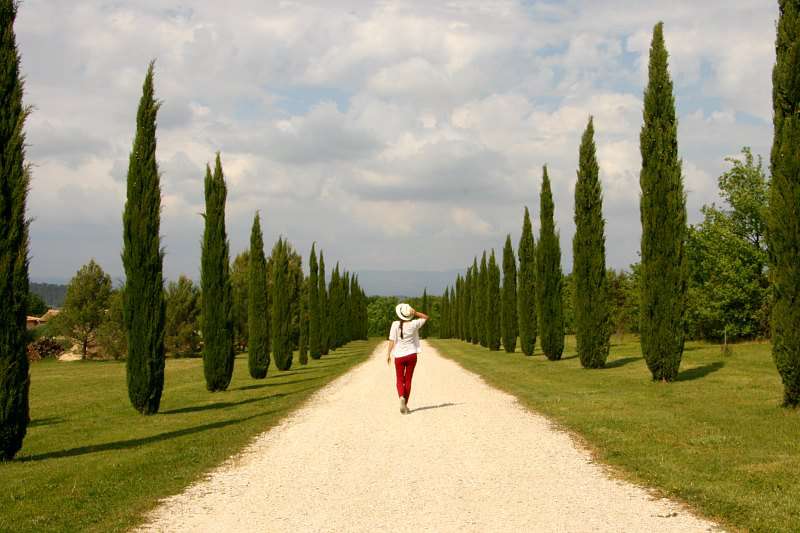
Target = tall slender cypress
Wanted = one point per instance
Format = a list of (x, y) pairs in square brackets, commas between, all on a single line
[(509, 309), (314, 344), (548, 262), (663, 212), (257, 311), (526, 295), (493, 312), (302, 348), (466, 314), (281, 307), (592, 309), (14, 180), (144, 306), (218, 354), (324, 334), (784, 213), (334, 308), (443, 311), (475, 315), (483, 309)]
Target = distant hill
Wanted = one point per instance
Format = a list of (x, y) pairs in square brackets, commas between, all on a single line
[(405, 282), (52, 294)]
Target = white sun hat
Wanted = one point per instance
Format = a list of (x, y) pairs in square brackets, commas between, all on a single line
[(404, 311)]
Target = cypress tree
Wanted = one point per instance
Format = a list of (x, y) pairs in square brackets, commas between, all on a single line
[(218, 354), (423, 333), (784, 213), (443, 334), (509, 309), (467, 306), (663, 212), (314, 344), (592, 312), (302, 348), (257, 311), (493, 311), (476, 316), (526, 295), (324, 333), (334, 308), (144, 306), (281, 307), (548, 262), (483, 303), (14, 180)]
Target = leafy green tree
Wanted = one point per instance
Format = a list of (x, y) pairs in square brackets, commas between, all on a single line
[(493, 312), (281, 307), (663, 214), (14, 183), (728, 286), (258, 320), (314, 324), (218, 352), (35, 305), (526, 295), (483, 302), (509, 314), (476, 305), (240, 283), (443, 316), (182, 335), (324, 334), (550, 309), (110, 336), (592, 306), (142, 256), (380, 314)]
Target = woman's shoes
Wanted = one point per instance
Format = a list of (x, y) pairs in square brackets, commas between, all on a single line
[(403, 406)]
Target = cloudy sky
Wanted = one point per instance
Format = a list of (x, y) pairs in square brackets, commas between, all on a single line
[(397, 134)]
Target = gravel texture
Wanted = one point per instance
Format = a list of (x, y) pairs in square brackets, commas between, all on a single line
[(467, 458)]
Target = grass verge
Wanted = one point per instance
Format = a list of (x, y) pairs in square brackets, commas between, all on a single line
[(716, 438), (92, 463)]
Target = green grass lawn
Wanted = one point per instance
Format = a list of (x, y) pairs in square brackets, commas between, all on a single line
[(91, 463), (716, 438)]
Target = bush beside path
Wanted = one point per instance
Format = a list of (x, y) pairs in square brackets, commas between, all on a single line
[(467, 458)]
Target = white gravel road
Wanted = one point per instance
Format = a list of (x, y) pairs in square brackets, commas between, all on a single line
[(467, 458)]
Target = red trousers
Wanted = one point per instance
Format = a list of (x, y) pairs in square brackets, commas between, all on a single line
[(404, 367)]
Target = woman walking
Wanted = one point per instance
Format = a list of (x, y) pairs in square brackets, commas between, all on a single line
[(404, 347)]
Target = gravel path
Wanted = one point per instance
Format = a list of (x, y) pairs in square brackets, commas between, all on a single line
[(467, 458)]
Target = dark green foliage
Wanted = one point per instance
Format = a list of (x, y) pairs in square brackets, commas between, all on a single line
[(380, 315), (493, 313), (281, 307), (302, 348), (324, 332), (509, 306), (592, 305), (110, 337), (475, 307), (423, 333), (240, 287), (144, 305), (784, 219), (466, 314), (314, 323), (52, 294), (483, 303), (218, 353), (526, 293), (663, 214), (550, 308), (183, 317), (728, 284), (443, 315), (14, 180), (85, 307), (35, 305), (257, 311)]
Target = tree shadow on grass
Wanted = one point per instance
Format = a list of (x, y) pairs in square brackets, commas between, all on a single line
[(616, 363), (225, 405), (568, 357), (425, 408), (48, 421), (276, 384), (700, 371), (133, 443)]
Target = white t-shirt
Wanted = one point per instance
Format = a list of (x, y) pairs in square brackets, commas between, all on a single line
[(410, 342)]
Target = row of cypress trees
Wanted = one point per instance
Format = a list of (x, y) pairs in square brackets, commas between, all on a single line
[(537, 305)]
